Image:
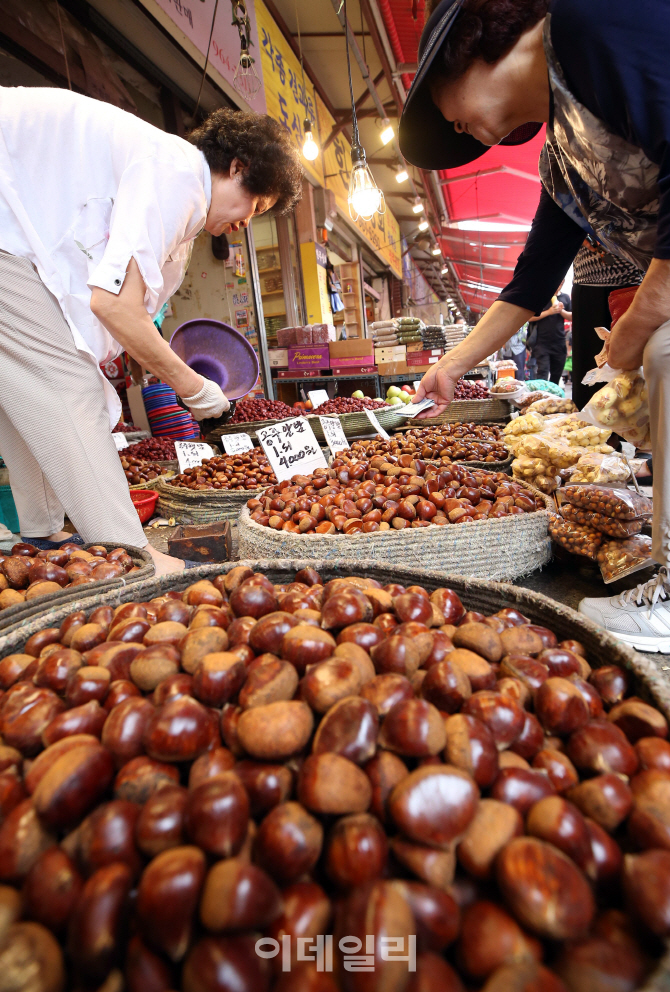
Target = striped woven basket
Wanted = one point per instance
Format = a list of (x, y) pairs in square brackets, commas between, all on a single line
[(214, 436), (355, 424), (18, 615), (503, 548), (468, 411), (203, 506)]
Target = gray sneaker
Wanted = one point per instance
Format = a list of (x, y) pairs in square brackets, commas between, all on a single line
[(639, 617)]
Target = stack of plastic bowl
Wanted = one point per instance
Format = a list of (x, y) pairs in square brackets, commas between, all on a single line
[(166, 417)]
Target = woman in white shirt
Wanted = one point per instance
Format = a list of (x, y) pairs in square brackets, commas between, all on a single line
[(98, 211)]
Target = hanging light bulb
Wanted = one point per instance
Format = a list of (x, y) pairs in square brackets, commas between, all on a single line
[(418, 207), (365, 197), (388, 133), (402, 176), (436, 250), (424, 225), (245, 79), (443, 272), (310, 149)]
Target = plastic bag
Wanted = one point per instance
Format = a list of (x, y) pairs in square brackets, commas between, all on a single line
[(589, 436), (576, 538), (554, 404), (620, 503), (600, 469), (528, 398), (525, 425), (621, 405), (551, 448), (617, 559), (606, 525), (545, 386)]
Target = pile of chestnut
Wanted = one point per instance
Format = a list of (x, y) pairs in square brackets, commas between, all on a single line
[(26, 573), (363, 497), (348, 404), (248, 411), (138, 469), (451, 442), (250, 470), (183, 777)]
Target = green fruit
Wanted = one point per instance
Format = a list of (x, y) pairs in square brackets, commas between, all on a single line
[(358, 395), (392, 391), (405, 398), (394, 401)]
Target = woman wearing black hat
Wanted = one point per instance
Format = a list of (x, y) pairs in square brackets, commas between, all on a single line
[(491, 71)]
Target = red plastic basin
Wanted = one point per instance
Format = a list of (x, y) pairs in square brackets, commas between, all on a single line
[(144, 501)]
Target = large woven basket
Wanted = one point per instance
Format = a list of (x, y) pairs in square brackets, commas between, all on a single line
[(468, 411), (485, 596), (16, 616), (214, 437), (203, 506), (504, 548), (355, 424)]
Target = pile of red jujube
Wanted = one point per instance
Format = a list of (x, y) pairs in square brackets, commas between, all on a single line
[(159, 449), (471, 389), (26, 572), (122, 428), (183, 777), (366, 497), (347, 404), (248, 411), (138, 469), (250, 470)]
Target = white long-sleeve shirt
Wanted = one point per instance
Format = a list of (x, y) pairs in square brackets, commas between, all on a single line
[(85, 187)]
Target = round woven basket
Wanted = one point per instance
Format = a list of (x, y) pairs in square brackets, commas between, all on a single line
[(468, 411), (202, 506), (249, 428), (489, 466), (487, 597), (16, 616), (503, 548), (172, 467), (355, 424)]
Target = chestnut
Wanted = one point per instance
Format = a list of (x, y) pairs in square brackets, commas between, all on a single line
[(384, 770), (470, 746), (141, 777), (653, 752), (289, 841), (376, 911), (238, 896), (638, 719), (649, 821), (217, 964), (23, 838), (348, 728), (31, 958), (267, 635), (436, 913), (560, 823), (26, 711), (433, 974), (446, 686), (73, 785), (490, 937), (145, 971), (275, 731), (611, 682), (51, 889), (599, 746), (478, 670), (86, 684), (356, 850), (413, 728), (561, 771), (266, 785), (124, 729), (521, 788), (646, 883), (108, 835), (560, 706), (544, 889), (503, 717), (306, 912), (493, 826), (605, 799), (87, 719), (329, 783), (606, 856), (180, 730), (167, 898), (434, 804), (217, 812), (98, 920), (200, 642), (267, 680), (595, 964), (210, 764)]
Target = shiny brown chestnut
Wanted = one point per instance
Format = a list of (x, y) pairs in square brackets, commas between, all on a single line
[(266, 785), (470, 746), (141, 777), (521, 788), (238, 896), (216, 816), (98, 920), (167, 897), (599, 746), (108, 835), (289, 842), (490, 937), (356, 850), (51, 889)]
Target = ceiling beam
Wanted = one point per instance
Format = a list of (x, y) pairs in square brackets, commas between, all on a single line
[(381, 54), (330, 34)]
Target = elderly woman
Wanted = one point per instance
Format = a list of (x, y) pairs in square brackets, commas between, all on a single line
[(98, 212), (491, 71)]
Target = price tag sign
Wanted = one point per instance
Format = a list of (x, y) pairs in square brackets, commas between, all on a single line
[(191, 453), (318, 396), (416, 383), (377, 426), (291, 448), (120, 440), (334, 434), (413, 409), (236, 444)]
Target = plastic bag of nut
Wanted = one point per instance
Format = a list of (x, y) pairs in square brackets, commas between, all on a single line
[(621, 405), (620, 503), (617, 559), (525, 425), (576, 538), (552, 404), (606, 525), (551, 448), (600, 469)]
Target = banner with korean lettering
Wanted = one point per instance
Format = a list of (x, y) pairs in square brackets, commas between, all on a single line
[(286, 99), (382, 232), (194, 18)]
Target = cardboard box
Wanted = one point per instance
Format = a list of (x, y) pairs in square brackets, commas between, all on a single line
[(356, 348), (310, 357), (423, 358), (278, 358), (385, 355), (414, 346), (354, 370), (359, 360), (394, 368)]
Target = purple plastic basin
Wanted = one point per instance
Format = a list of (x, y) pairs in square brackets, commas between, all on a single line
[(219, 352)]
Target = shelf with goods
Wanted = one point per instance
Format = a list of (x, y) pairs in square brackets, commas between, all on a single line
[(272, 290), (354, 321)]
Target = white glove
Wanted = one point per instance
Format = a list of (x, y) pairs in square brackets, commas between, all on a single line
[(210, 401)]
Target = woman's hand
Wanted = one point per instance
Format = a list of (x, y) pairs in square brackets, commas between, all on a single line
[(438, 384), (626, 347)]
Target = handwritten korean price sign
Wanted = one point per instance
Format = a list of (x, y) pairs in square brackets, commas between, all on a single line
[(291, 448), (334, 434), (377, 426), (191, 453), (120, 440), (236, 444)]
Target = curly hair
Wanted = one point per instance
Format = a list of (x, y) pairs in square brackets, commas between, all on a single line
[(484, 29), (265, 148)]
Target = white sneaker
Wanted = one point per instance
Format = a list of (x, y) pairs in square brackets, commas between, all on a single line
[(639, 617)]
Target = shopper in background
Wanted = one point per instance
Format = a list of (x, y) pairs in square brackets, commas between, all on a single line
[(98, 213), (596, 274), (550, 350), (515, 349), (597, 73)]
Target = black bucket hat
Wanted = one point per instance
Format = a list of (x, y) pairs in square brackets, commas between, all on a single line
[(426, 139)]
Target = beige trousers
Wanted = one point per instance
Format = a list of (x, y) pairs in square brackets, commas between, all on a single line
[(657, 374), (54, 424)]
